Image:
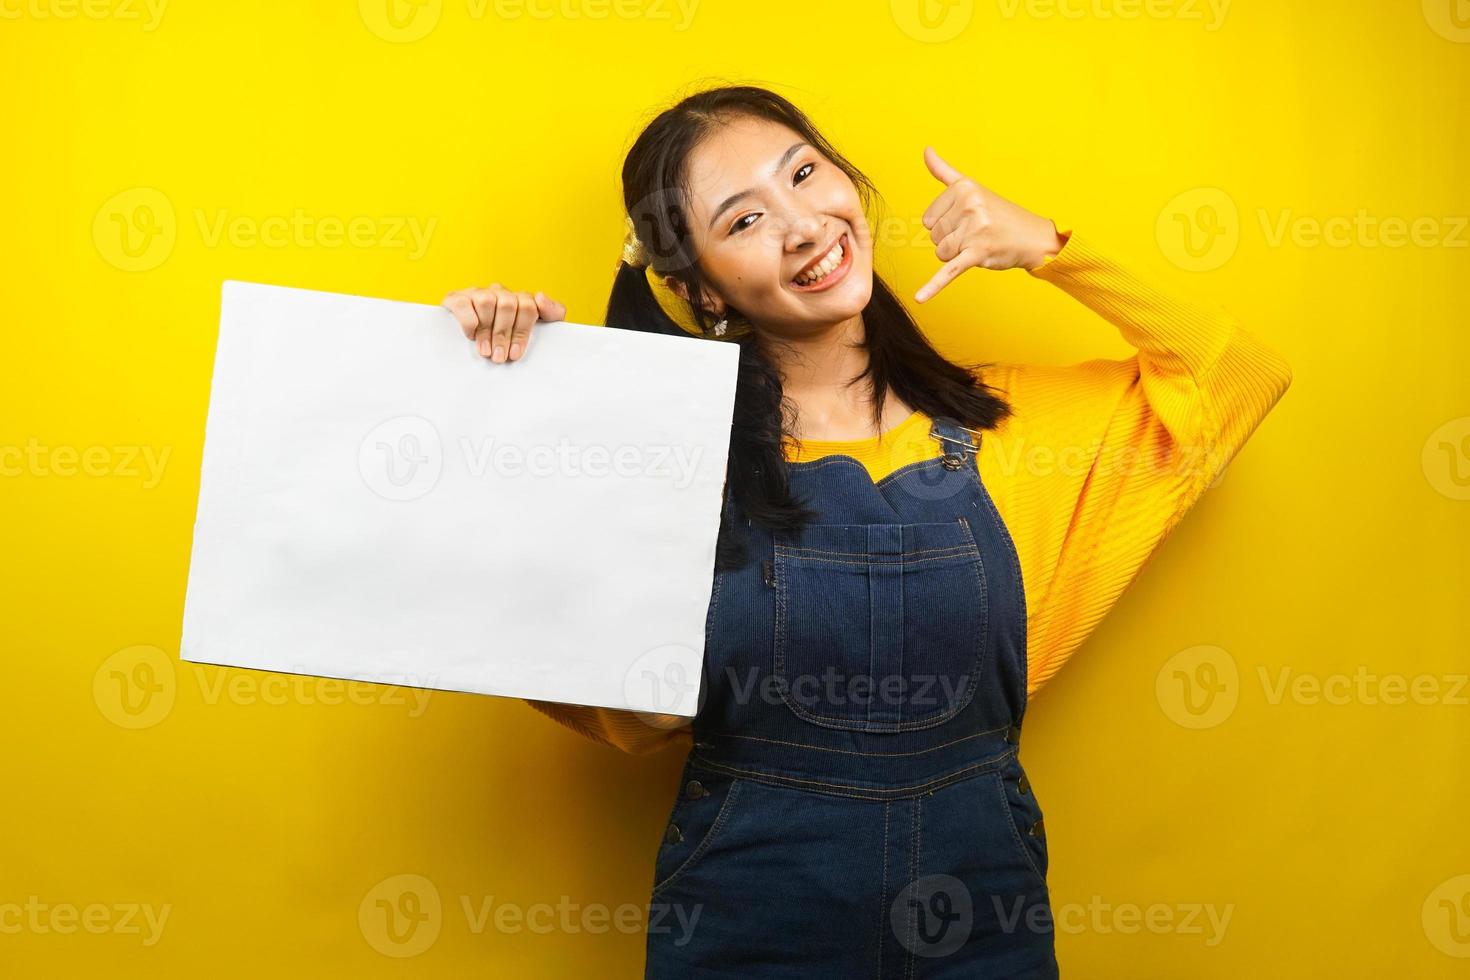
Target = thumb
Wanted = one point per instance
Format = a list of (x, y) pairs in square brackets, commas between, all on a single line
[(939, 168), (548, 308)]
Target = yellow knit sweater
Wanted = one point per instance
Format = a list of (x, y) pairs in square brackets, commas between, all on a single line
[(1096, 465)]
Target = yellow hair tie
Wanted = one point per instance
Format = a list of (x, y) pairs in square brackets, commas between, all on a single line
[(674, 306)]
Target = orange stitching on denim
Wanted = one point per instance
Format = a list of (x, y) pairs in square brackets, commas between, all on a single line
[(1010, 548), (913, 879), (883, 891), (931, 461), (872, 563), (870, 559), (875, 558), (981, 639), (876, 755), (714, 603), (1005, 802), (830, 459), (704, 844), (866, 792), (801, 550)]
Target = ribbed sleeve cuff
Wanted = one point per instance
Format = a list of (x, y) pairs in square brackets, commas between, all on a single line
[(1180, 333)]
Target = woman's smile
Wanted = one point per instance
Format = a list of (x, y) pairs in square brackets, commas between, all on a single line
[(825, 271)]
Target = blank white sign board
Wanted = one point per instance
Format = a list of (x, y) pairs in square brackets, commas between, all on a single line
[(378, 502)]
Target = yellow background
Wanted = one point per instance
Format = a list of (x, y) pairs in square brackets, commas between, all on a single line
[(269, 817)]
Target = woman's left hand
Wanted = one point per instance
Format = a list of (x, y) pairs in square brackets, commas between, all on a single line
[(972, 225)]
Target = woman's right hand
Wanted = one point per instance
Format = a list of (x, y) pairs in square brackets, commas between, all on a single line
[(498, 321)]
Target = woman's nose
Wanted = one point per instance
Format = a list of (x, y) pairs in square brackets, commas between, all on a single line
[(803, 229)]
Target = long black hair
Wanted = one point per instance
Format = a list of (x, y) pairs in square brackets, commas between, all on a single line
[(656, 195)]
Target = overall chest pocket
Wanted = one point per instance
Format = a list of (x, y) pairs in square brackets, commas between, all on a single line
[(879, 627)]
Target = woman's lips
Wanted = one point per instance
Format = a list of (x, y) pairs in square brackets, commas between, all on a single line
[(832, 278)]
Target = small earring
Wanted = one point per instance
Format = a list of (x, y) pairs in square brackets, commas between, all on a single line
[(722, 326)]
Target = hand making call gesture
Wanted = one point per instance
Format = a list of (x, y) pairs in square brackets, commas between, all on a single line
[(972, 226)]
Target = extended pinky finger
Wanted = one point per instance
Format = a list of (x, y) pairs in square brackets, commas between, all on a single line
[(944, 276)]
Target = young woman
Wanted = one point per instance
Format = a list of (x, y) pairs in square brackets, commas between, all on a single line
[(910, 548)]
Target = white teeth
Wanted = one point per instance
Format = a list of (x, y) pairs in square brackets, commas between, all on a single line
[(829, 262)]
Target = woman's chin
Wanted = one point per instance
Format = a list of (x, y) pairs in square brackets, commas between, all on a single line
[(842, 309), (859, 292)]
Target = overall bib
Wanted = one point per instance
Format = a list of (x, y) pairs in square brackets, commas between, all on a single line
[(854, 806)]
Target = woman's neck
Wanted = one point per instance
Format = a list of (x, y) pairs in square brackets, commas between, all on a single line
[(815, 371)]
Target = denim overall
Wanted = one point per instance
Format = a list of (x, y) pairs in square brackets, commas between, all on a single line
[(853, 805)]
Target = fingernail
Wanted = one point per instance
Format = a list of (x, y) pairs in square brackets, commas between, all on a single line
[(499, 354), (515, 351), (484, 346)]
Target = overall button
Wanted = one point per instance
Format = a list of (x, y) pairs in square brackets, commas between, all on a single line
[(695, 790), (1013, 734), (951, 461), (1037, 830), (1023, 784), (674, 834)]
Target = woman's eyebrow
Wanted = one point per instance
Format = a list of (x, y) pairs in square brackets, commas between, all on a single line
[(734, 199)]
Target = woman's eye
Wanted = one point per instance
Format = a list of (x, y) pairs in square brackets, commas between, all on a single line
[(740, 223)]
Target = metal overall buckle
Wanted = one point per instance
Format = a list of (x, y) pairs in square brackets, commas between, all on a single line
[(954, 459)]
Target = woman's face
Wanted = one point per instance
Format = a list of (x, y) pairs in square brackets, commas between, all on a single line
[(767, 209)]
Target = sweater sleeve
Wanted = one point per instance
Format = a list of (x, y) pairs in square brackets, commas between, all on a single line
[(629, 731), (1100, 460)]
